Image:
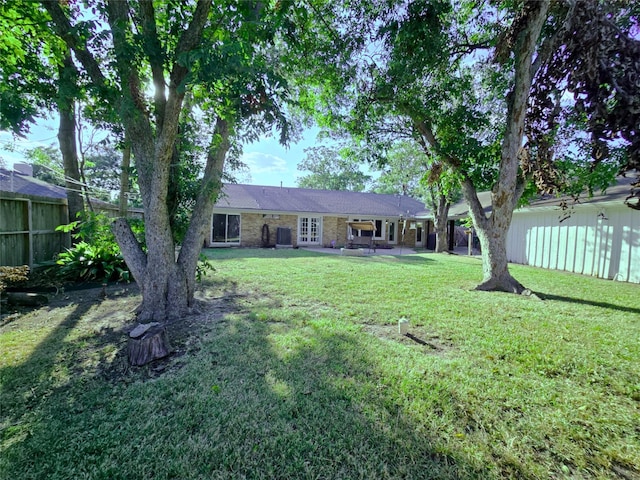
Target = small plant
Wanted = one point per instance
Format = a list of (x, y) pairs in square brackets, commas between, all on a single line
[(204, 266)]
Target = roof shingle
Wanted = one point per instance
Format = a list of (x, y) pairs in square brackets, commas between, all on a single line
[(306, 200)]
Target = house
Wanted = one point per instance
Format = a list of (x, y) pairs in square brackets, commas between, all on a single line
[(260, 216), (597, 236)]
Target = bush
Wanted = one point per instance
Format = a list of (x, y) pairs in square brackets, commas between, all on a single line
[(96, 256)]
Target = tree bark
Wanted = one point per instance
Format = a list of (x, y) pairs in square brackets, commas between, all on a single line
[(203, 210), (440, 223), (492, 231), (67, 137), (166, 283), (124, 178), (150, 345)]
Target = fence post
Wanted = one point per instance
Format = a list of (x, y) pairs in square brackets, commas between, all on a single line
[(30, 228)]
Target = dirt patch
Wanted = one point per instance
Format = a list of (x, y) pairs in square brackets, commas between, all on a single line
[(418, 337), (95, 322)]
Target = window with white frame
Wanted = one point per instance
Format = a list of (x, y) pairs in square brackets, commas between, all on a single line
[(309, 230), (225, 228)]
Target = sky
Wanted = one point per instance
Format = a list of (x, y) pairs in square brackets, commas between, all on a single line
[(269, 162)]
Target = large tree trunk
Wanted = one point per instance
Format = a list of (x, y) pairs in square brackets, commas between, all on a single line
[(167, 283), (67, 137), (492, 231), (152, 132)]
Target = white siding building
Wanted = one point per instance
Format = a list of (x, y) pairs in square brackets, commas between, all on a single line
[(599, 236)]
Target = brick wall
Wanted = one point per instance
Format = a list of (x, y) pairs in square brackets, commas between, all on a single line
[(333, 229), (251, 228)]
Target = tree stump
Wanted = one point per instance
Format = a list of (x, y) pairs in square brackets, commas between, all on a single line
[(148, 342)]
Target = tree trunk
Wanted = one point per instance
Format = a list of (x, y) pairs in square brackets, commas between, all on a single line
[(148, 343), (67, 138), (440, 224), (124, 178), (152, 133), (492, 231), (167, 284), (495, 267)]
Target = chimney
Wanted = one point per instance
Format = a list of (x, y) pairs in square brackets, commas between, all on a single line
[(23, 169)]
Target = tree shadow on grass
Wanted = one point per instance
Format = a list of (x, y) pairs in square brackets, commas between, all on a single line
[(23, 387), (309, 402), (592, 303), (252, 399)]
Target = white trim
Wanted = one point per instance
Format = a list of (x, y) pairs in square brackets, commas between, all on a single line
[(226, 244), (318, 233)]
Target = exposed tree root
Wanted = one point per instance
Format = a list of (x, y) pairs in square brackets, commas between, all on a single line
[(502, 284)]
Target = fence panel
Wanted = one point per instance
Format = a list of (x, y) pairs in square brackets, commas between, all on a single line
[(27, 229)]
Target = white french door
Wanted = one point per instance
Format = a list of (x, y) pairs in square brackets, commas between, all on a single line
[(309, 230)]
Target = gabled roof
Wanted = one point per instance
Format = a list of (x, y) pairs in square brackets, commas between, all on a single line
[(306, 200), (15, 182), (613, 195)]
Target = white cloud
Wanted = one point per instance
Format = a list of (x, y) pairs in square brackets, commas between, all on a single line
[(259, 162)]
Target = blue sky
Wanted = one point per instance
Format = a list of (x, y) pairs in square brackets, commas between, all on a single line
[(269, 162)]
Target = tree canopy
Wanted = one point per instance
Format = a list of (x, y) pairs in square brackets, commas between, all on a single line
[(332, 168), (159, 72), (480, 83)]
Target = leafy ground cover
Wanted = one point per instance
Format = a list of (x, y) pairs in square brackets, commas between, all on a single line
[(295, 369)]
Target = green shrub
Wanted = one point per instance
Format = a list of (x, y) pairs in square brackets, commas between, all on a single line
[(96, 255)]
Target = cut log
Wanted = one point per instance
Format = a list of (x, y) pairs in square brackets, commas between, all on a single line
[(151, 344), (26, 299)]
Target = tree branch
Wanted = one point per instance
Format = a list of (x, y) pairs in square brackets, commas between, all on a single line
[(189, 40), (155, 54), (131, 251), (64, 30), (426, 132), (210, 188), (550, 44), (533, 18)]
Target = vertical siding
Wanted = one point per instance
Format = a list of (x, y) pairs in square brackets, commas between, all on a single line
[(602, 242)]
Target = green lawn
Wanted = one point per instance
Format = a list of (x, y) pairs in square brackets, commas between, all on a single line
[(295, 369)]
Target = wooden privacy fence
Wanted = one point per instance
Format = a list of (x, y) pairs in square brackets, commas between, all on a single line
[(27, 228)]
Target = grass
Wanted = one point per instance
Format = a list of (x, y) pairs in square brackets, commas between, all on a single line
[(296, 370)]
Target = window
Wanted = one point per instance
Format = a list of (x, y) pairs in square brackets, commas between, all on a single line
[(226, 228), (309, 229), (377, 235)]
